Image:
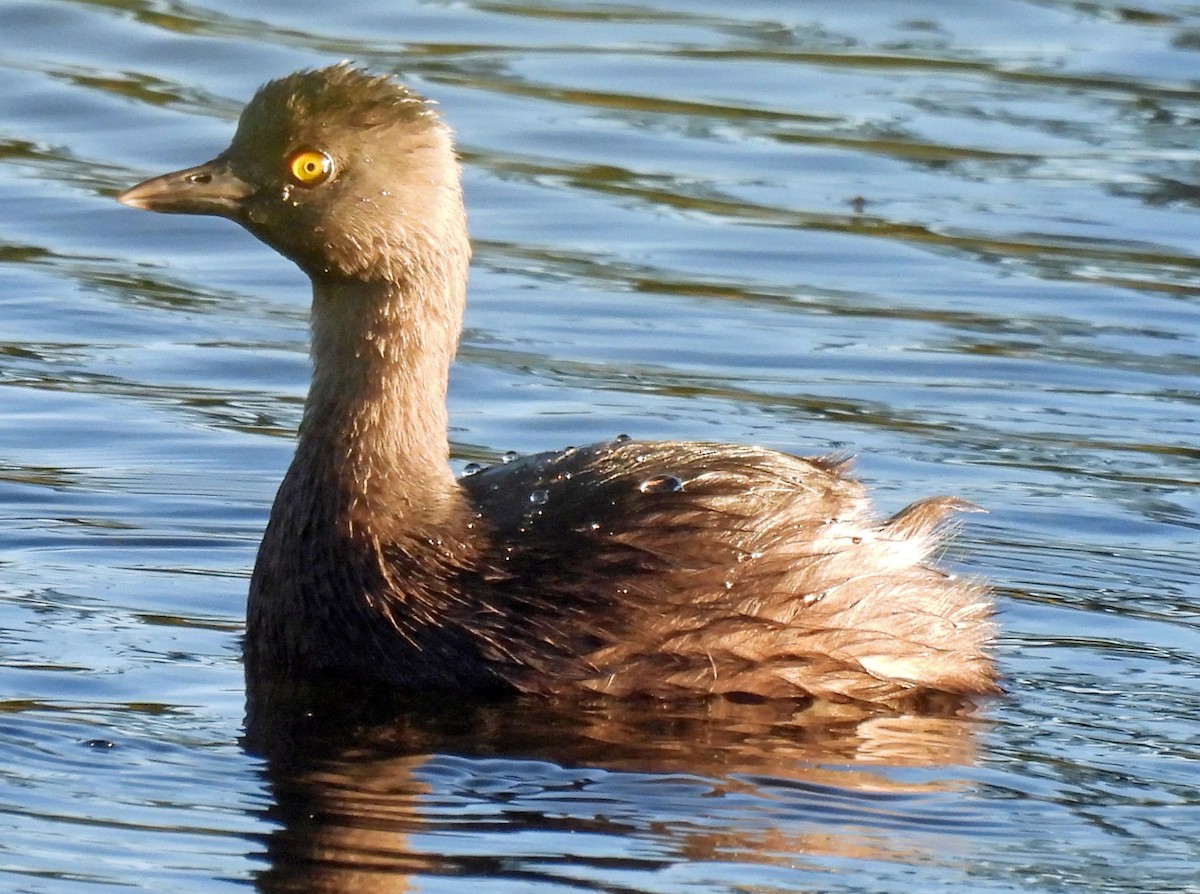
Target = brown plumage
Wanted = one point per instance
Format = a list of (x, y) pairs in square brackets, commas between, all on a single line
[(627, 568)]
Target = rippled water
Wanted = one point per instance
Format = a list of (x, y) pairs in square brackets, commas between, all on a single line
[(958, 239)]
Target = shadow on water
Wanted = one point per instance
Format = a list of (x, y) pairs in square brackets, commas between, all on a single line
[(359, 783)]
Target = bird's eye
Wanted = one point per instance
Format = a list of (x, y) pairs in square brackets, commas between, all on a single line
[(309, 167)]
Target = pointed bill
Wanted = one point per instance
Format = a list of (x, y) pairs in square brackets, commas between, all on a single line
[(210, 188)]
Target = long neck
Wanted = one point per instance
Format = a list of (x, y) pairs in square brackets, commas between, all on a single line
[(375, 426)]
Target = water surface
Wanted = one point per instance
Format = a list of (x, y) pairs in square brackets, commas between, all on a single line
[(959, 240)]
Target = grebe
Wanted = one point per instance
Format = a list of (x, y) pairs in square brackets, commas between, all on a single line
[(661, 569)]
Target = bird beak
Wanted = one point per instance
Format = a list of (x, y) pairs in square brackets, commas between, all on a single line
[(210, 188)]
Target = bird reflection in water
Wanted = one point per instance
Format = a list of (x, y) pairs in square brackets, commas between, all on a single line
[(373, 793)]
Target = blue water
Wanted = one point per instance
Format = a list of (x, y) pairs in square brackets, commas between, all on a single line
[(959, 240)]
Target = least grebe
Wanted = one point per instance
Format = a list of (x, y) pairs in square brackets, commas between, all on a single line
[(661, 569)]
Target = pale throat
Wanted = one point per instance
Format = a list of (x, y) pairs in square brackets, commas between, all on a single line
[(375, 418)]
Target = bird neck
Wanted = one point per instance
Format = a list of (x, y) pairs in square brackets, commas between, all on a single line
[(375, 427)]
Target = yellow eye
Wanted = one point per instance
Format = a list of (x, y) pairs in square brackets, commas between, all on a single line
[(310, 168)]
